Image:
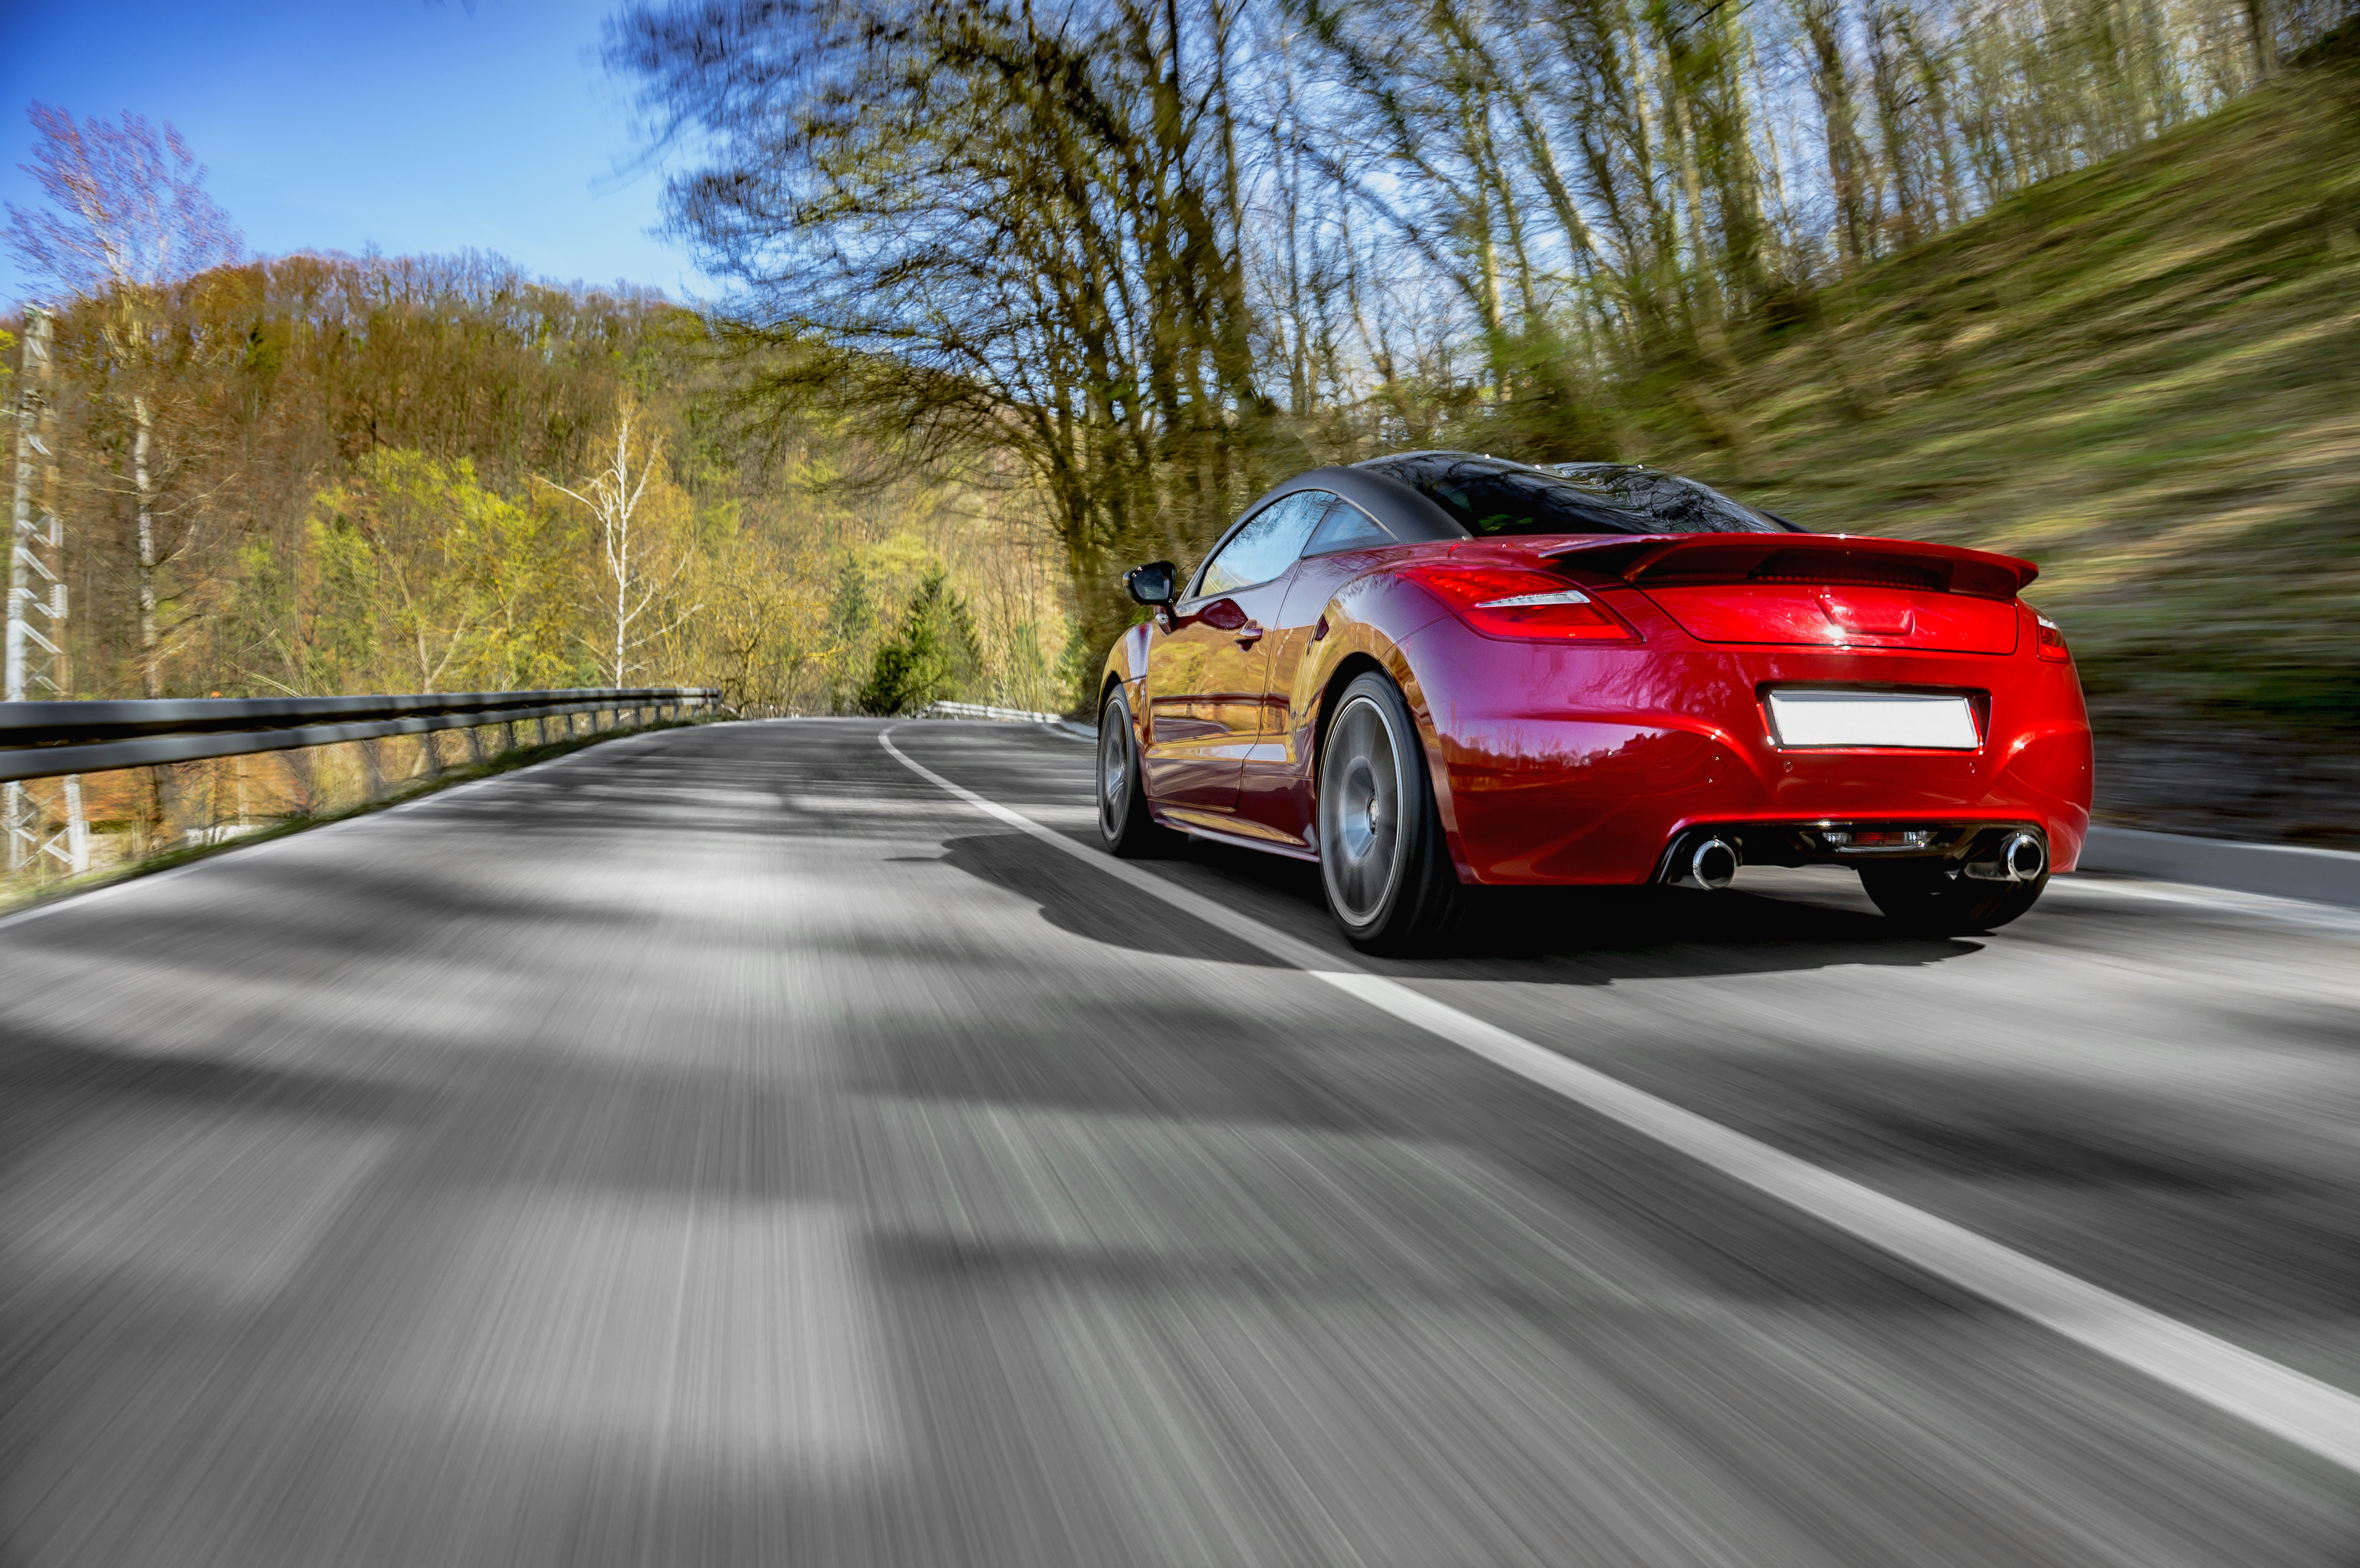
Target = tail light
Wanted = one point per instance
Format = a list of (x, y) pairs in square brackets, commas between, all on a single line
[(1528, 606), (2052, 642)]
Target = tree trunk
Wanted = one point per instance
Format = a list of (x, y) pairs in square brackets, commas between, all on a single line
[(1933, 88), (622, 590), (151, 671), (2266, 39), (1893, 124), (1832, 82)]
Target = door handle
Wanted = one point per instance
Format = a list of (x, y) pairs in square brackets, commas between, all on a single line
[(1248, 635)]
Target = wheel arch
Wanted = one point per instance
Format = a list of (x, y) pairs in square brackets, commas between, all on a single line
[(1391, 659), (1350, 668), (1125, 665)]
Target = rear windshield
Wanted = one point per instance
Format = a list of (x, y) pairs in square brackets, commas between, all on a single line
[(1489, 497), (1679, 505)]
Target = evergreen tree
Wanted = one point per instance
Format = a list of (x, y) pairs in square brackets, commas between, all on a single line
[(933, 656)]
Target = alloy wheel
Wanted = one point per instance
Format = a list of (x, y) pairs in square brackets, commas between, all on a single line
[(1114, 770), (1360, 805)]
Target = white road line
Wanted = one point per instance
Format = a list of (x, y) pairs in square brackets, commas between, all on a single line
[(2312, 1415)]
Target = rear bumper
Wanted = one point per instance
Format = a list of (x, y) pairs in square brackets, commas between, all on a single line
[(1627, 749)]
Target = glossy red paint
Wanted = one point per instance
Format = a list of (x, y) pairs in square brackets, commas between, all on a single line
[(1568, 761), (1802, 615)]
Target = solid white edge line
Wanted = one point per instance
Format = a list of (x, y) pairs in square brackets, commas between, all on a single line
[(2317, 1417)]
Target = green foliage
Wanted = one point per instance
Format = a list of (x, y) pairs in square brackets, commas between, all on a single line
[(1078, 666), (851, 626), (1023, 676), (415, 577), (850, 616), (932, 654)]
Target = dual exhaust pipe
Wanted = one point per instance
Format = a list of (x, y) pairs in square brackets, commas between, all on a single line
[(1709, 863)]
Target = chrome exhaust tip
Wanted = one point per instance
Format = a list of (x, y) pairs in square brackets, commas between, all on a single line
[(2024, 857), (2021, 859), (1711, 865)]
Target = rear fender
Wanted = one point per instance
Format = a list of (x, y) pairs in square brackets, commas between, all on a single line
[(1370, 617), (1368, 621)]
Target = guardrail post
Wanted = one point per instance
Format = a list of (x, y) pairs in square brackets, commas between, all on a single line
[(372, 769), (77, 830), (476, 744), (430, 753)]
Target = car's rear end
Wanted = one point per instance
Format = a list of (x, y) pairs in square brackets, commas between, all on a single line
[(1772, 698)]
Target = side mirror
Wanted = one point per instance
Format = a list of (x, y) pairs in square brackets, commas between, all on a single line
[(1157, 583)]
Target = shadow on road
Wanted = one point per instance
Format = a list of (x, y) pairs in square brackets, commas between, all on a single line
[(1565, 936)]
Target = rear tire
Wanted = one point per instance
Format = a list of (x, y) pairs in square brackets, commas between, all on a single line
[(1939, 900), (1382, 857), (1124, 825)]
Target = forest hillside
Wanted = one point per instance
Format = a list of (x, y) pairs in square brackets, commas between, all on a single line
[(2145, 376), (314, 474)]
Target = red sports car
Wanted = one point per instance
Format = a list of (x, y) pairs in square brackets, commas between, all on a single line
[(1439, 671)]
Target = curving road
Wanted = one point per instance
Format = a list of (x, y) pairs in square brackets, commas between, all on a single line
[(728, 1146)]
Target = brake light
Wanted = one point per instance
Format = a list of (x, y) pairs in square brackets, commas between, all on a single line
[(1530, 607), (2051, 646), (1836, 570)]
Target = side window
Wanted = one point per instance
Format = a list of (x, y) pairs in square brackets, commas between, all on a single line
[(1346, 527), (1266, 546)]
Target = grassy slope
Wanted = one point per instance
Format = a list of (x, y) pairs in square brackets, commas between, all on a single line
[(2144, 376)]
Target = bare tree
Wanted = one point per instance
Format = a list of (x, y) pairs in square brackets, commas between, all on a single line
[(127, 215), (980, 225), (129, 207), (632, 546)]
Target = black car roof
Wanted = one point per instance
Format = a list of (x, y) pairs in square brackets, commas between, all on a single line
[(1410, 516)]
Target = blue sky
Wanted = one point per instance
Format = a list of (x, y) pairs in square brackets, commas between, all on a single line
[(341, 124)]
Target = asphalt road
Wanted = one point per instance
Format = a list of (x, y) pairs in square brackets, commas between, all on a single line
[(725, 1147)]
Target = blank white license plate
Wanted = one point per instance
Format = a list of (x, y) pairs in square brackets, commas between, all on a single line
[(1873, 718)]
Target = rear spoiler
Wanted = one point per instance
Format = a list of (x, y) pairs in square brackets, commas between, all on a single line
[(1854, 560)]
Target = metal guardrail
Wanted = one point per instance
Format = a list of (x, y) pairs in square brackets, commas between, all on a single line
[(48, 740), (980, 710), (2279, 870)]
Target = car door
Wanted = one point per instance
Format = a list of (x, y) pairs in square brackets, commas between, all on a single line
[(1274, 785), (1209, 673)]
